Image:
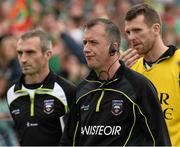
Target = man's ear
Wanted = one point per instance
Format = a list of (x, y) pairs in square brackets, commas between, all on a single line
[(156, 28), (48, 54), (116, 45)]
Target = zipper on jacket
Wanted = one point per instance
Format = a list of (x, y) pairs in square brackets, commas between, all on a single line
[(31, 94), (99, 101), (75, 133), (32, 104)]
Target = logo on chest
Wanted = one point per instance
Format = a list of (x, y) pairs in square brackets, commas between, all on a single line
[(117, 107), (48, 106), (85, 107), (15, 111)]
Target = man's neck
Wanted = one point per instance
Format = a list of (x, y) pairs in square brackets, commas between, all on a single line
[(36, 78), (109, 72), (157, 50)]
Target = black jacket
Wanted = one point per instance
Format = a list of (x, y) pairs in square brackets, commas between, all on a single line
[(122, 111), (37, 108)]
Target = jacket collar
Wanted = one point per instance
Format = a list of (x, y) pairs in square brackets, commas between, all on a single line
[(48, 82), (93, 76), (169, 53)]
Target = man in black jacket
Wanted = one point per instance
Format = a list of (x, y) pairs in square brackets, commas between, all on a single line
[(38, 98), (114, 105)]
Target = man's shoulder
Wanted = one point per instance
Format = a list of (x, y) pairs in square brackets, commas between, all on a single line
[(16, 82), (138, 64), (60, 80), (63, 81), (136, 78), (12, 87), (177, 52), (82, 83)]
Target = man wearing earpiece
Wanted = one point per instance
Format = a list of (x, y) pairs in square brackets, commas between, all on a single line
[(114, 105)]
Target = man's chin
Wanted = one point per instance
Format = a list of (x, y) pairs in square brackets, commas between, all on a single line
[(27, 72), (140, 51), (91, 67)]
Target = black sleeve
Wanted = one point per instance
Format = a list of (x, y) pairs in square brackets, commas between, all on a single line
[(71, 96), (69, 88), (71, 131), (151, 108)]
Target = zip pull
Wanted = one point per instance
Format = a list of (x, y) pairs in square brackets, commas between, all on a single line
[(102, 84)]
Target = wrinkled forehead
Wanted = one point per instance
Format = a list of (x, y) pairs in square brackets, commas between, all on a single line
[(136, 22), (29, 43), (95, 31), (30, 39)]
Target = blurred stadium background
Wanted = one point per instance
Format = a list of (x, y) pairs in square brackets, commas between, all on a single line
[(63, 20)]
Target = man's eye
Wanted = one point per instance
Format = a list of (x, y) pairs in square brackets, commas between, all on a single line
[(19, 52), (137, 30), (127, 32), (30, 52), (93, 42), (84, 42)]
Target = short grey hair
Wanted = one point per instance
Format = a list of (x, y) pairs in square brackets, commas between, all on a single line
[(45, 42)]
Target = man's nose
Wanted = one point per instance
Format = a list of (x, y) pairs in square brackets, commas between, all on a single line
[(86, 48), (131, 36), (23, 58)]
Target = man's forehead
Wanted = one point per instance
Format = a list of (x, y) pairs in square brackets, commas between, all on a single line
[(95, 32), (29, 39), (28, 44), (98, 27), (136, 20)]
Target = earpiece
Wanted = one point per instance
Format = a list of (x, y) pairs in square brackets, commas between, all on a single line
[(112, 50)]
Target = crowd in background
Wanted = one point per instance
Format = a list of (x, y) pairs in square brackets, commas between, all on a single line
[(63, 20)]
